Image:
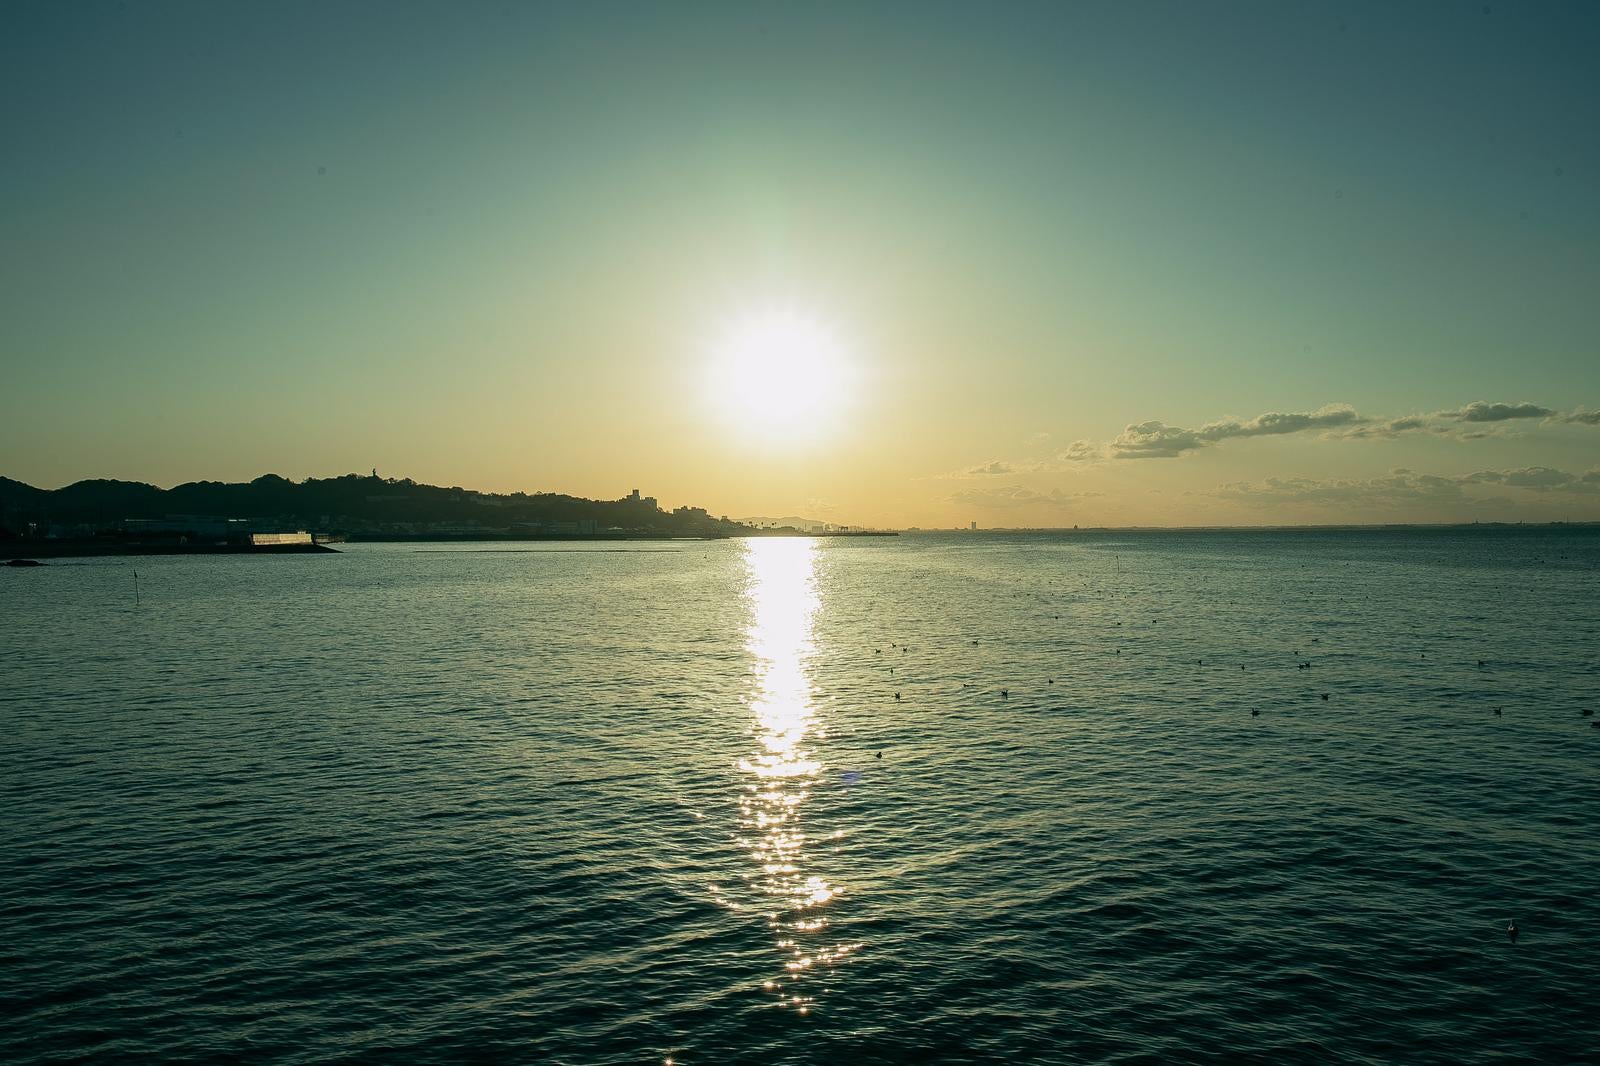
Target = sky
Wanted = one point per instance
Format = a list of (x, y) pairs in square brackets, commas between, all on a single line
[(1101, 264)]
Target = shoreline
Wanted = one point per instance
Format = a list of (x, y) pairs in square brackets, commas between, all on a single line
[(82, 549), (79, 549)]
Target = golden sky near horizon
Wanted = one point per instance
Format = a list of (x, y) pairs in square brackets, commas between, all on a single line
[(1095, 266)]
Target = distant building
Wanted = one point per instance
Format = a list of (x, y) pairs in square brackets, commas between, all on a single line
[(972, 527), (262, 540)]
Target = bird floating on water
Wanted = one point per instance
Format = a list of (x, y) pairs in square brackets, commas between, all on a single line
[(1324, 695)]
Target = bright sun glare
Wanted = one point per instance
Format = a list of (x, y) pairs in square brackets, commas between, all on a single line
[(780, 376)]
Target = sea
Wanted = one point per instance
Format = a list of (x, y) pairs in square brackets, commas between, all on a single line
[(1143, 797)]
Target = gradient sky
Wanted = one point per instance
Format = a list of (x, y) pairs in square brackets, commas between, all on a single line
[(1116, 263)]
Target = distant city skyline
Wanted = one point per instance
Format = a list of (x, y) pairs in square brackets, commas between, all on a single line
[(1026, 265)]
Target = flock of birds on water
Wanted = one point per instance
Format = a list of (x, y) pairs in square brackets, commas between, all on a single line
[(1511, 930), (1255, 712)]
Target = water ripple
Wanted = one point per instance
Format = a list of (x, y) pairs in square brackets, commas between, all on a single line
[(605, 808)]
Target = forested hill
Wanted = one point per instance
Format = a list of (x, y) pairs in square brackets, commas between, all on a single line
[(352, 502)]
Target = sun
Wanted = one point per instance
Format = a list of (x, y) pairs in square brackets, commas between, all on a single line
[(780, 376)]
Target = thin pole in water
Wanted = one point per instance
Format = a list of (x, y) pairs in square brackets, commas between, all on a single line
[(136, 588)]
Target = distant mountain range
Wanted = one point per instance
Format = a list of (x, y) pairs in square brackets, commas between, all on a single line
[(353, 503)]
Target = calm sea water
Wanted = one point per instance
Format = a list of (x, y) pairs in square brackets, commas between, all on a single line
[(934, 799)]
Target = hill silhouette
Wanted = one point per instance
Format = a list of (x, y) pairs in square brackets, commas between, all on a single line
[(354, 503)]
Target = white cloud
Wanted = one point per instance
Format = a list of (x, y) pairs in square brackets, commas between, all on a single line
[(1325, 417), (1401, 485), (1153, 440), (1482, 411), (1539, 477), (1081, 451), (1157, 440)]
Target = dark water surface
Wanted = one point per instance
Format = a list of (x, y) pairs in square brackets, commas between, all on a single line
[(578, 806)]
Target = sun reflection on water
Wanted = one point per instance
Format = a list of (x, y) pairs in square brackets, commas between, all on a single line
[(783, 599)]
